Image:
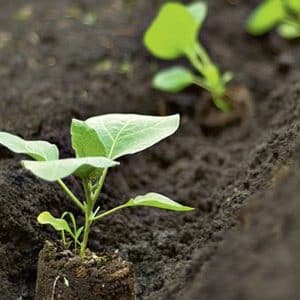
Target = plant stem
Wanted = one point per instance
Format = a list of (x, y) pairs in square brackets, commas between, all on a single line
[(87, 213), (221, 104), (110, 211), (100, 186), (198, 65), (202, 63), (91, 199), (70, 194), (87, 227), (202, 54)]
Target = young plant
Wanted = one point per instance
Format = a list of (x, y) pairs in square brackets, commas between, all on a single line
[(281, 14), (173, 34), (97, 142)]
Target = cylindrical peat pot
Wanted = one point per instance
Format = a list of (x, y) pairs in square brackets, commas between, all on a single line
[(63, 276)]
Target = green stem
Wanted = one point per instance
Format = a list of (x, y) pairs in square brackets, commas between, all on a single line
[(198, 65), (202, 54), (70, 194), (87, 227), (99, 186), (110, 211), (87, 213), (198, 81), (221, 104)]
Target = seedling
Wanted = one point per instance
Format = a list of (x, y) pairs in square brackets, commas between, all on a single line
[(97, 142), (173, 34), (281, 14)]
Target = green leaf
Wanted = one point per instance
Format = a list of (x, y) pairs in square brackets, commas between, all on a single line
[(265, 17), (38, 150), (173, 80), (172, 33), (227, 77), (57, 223), (158, 201), (57, 169), (294, 5), (198, 11), (85, 140), (124, 134), (289, 31)]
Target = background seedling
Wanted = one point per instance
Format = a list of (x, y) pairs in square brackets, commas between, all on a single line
[(97, 142), (281, 14), (173, 34)]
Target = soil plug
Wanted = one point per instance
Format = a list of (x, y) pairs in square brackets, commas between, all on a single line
[(68, 269), (284, 15)]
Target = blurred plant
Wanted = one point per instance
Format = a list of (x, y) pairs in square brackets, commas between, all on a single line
[(281, 14), (173, 34)]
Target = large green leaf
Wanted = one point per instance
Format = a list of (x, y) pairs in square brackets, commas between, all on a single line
[(57, 169), (123, 134), (39, 150), (85, 140), (265, 17), (289, 31), (198, 11), (158, 201), (294, 5), (57, 223), (173, 80), (173, 32)]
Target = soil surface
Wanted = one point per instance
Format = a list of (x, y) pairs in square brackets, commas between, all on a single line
[(61, 59)]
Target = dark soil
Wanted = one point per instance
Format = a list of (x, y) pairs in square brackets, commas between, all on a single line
[(63, 275), (241, 241)]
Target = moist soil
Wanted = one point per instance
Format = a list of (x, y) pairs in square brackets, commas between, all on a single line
[(58, 61), (100, 276)]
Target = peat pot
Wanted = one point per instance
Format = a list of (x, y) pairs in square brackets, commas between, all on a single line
[(65, 276)]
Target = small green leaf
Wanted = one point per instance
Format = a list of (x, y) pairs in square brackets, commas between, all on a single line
[(57, 169), (173, 32), (78, 232), (158, 201), (124, 134), (66, 282), (198, 11), (265, 17), (294, 5), (85, 140), (289, 31), (38, 150), (227, 77), (173, 80), (57, 223)]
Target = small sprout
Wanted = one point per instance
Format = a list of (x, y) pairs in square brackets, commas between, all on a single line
[(281, 14), (125, 67), (173, 34), (66, 281), (74, 12), (5, 38), (97, 142), (89, 18), (24, 13), (103, 66)]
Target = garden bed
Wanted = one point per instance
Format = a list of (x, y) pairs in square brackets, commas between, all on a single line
[(241, 241)]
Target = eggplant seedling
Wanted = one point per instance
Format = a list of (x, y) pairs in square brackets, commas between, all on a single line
[(173, 34), (281, 14), (97, 142)]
